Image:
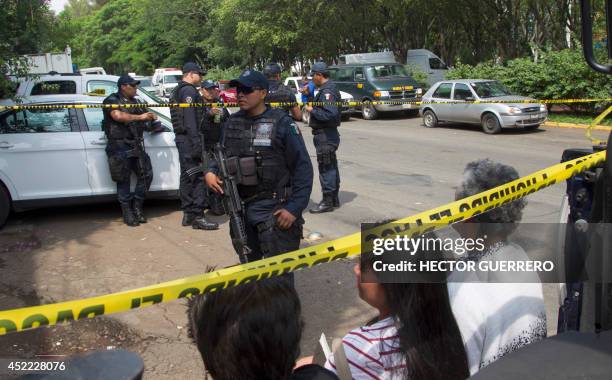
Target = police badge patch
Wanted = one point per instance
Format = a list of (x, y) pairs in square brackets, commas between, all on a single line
[(188, 99), (263, 134), (328, 97)]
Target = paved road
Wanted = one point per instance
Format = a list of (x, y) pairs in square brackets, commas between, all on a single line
[(390, 168)]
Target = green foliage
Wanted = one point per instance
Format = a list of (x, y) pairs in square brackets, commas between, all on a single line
[(557, 75), (223, 74), (419, 76)]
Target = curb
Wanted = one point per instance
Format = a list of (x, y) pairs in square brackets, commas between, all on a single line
[(555, 124)]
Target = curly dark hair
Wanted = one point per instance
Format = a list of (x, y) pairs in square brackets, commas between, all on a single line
[(250, 331)]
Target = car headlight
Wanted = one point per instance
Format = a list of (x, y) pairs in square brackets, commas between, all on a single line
[(381, 94), (543, 107), (419, 91), (514, 110)]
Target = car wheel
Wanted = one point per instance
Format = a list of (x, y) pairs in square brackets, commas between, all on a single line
[(368, 111), (532, 127), (5, 205), (305, 115), (345, 116), (490, 124), (430, 120)]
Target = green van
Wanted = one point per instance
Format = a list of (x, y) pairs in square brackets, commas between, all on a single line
[(369, 82)]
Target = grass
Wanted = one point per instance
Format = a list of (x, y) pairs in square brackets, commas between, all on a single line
[(578, 118)]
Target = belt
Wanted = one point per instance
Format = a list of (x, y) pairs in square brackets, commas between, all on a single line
[(282, 196)]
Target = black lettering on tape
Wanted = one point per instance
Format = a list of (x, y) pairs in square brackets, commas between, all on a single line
[(248, 280), (155, 298), (36, 319), (7, 326), (320, 261), (464, 207), (189, 292), (91, 311), (339, 256), (215, 287), (65, 316)]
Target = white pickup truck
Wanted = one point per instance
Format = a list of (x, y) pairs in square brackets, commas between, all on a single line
[(294, 83)]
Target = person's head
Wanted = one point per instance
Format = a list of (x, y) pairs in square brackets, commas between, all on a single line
[(127, 86), (193, 73), (272, 71), (250, 331), (320, 73), (429, 337), (252, 88), (500, 222), (210, 90)]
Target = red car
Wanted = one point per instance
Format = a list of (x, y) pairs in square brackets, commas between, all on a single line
[(228, 94)]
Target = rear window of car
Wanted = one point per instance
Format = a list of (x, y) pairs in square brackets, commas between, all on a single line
[(101, 87), (344, 74), (58, 87), (443, 91), (36, 121)]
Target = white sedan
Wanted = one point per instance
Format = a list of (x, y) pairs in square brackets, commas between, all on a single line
[(57, 156)]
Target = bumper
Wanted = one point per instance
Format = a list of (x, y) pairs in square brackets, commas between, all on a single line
[(523, 120), (397, 107)]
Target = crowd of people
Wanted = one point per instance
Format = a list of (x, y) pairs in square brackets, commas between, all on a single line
[(422, 330)]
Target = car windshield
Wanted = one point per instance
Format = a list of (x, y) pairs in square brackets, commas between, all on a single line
[(144, 94), (386, 71), (145, 82), (490, 89), (172, 78)]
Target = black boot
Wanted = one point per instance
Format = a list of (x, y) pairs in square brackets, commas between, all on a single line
[(326, 205), (336, 200), (139, 212), (128, 216), (188, 219), (201, 223)]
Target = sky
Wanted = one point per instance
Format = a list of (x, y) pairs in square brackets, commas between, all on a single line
[(57, 5)]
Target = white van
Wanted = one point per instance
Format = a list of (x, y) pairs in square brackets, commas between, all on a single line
[(426, 61), (93, 71), (165, 80)]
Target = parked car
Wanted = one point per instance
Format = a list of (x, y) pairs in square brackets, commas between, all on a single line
[(93, 71), (146, 84), (77, 84), (227, 93), (57, 156), (457, 96), (295, 83), (166, 79), (368, 82)]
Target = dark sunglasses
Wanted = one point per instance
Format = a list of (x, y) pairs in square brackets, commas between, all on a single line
[(246, 90)]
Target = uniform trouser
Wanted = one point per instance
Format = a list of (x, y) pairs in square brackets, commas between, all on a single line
[(192, 190), (329, 175), (264, 237), (123, 164), (213, 200)]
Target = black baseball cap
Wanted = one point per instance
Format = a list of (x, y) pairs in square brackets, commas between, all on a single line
[(126, 79), (250, 78), (272, 69), (319, 67), (209, 84), (193, 67)]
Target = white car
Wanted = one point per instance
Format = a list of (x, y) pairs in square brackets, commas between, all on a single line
[(57, 156), (77, 84), (294, 83)]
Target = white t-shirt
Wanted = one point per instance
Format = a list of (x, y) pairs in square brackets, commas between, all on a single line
[(497, 318), (373, 352)]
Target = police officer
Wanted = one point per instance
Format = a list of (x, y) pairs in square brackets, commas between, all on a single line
[(279, 93), (122, 127), (324, 121), (213, 119), (186, 123), (269, 147)]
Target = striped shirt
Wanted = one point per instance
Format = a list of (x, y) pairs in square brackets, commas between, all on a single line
[(373, 352)]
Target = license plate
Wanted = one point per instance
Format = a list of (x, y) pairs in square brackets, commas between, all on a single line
[(407, 106), (532, 117)]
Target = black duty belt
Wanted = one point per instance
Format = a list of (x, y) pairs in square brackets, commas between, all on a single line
[(282, 196)]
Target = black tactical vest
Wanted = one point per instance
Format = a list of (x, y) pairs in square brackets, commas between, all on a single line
[(255, 144), (115, 130), (279, 93), (176, 114)]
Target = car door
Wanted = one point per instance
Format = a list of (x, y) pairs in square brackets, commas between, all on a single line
[(160, 147), (42, 154), (443, 94), (464, 112)]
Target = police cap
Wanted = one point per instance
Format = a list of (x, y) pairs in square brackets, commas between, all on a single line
[(209, 84), (193, 67), (250, 78), (319, 67), (272, 69), (126, 79)]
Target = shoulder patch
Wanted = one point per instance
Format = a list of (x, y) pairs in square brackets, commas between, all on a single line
[(188, 99), (328, 96)]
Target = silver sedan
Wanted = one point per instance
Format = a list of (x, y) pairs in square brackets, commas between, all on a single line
[(457, 97)]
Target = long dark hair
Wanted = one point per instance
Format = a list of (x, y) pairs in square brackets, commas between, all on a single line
[(429, 338)]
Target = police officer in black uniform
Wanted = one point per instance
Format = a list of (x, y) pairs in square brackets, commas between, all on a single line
[(186, 123), (214, 117), (279, 93), (324, 121), (277, 172), (123, 126)]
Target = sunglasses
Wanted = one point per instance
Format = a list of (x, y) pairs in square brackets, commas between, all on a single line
[(133, 85), (247, 90)]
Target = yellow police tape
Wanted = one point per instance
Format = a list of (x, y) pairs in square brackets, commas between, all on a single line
[(31, 317), (598, 119), (289, 104)]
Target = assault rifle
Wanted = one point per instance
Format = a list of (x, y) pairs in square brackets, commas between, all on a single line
[(233, 205)]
